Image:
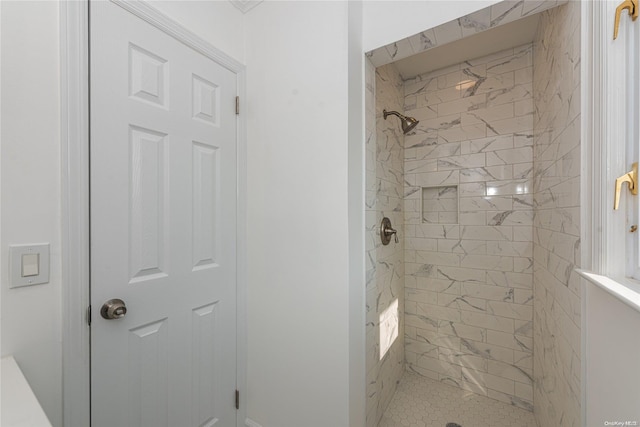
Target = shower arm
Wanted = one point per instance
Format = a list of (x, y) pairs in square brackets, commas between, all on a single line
[(385, 113)]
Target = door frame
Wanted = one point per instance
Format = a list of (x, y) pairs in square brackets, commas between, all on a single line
[(75, 135)]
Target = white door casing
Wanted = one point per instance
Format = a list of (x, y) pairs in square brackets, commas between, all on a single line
[(163, 227)]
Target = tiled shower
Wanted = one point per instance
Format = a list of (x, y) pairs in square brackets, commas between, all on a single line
[(484, 193)]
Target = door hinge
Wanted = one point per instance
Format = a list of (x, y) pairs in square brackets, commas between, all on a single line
[(237, 399), (89, 315), (237, 105)]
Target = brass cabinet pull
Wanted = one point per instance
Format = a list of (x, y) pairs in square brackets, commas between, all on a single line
[(631, 178), (632, 7)]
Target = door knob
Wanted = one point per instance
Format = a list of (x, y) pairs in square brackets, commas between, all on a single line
[(630, 178), (113, 309)]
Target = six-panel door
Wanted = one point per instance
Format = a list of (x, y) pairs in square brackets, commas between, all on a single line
[(163, 222)]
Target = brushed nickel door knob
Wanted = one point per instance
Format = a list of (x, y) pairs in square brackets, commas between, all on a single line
[(113, 309)]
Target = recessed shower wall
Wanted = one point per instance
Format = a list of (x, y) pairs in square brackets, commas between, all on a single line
[(468, 277), (385, 263), (556, 227), (486, 202)]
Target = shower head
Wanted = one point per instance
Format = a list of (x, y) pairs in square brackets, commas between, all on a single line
[(408, 123)]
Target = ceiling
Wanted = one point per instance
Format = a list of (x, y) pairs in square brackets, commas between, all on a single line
[(481, 44)]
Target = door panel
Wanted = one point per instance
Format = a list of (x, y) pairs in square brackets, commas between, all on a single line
[(163, 221)]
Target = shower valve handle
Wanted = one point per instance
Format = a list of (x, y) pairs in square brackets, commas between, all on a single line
[(386, 231), (390, 231)]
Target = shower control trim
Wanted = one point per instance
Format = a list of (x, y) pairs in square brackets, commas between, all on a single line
[(386, 231)]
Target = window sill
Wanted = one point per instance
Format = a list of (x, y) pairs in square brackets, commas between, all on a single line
[(626, 290)]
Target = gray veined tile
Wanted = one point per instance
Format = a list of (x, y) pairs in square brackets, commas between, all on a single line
[(472, 218), (419, 140), (523, 171), (471, 103), (508, 279), (441, 123), (420, 84), (531, 7), (462, 246), (459, 274), (523, 75), (510, 157), (379, 57), (509, 94), (423, 41), (523, 202), (461, 162), (488, 321), (489, 173), (443, 71), (506, 11), (448, 32), (400, 49), (432, 99), (462, 302), (421, 166), (474, 232), (473, 189), (492, 143), (523, 249), (486, 203), (462, 331), (424, 110), (511, 311), (487, 350), (439, 150), (511, 217), (463, 132), (522, 58), (430, 179), (487, 262), (476, 22), (449, 80)]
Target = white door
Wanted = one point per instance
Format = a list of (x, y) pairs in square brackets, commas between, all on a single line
[(163, 228)]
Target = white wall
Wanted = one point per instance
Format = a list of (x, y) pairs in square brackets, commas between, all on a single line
[(610, 358), (388, 21), (297, 199), (1, 267), (216, 21), (357, 317), (30, 165), (31, 191), (297, 222)]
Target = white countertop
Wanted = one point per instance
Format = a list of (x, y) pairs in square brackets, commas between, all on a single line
[(19, 406)]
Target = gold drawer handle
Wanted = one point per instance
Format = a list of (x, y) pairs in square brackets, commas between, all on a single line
[(631, 178)]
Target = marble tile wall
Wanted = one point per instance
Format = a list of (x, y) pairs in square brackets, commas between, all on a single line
[(556, 227), (385, 269), (490, 17), (468, 285)]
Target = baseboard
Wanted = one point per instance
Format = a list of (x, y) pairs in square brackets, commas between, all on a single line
[(250, 423)]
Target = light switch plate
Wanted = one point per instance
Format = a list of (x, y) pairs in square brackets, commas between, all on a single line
[(23, 275)]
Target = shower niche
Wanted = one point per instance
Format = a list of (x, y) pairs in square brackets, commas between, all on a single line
[(440, 205)]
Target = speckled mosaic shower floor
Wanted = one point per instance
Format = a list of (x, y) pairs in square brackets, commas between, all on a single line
[(421, 402)]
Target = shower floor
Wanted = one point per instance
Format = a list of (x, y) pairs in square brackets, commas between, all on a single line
[(422, 402)]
